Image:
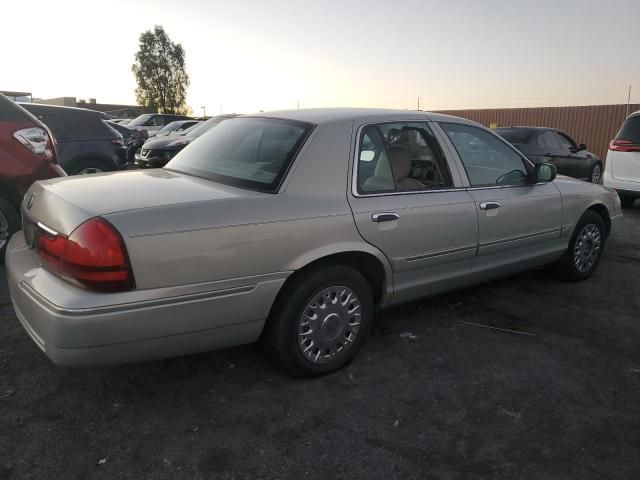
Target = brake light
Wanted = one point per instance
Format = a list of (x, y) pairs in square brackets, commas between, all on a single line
[(93, 256), (622, 145), (37, 140)]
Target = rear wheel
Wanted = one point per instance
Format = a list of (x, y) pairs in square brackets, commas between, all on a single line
[(9, 224), (585, 249), (596, 174), (85, 167), (320, 321)]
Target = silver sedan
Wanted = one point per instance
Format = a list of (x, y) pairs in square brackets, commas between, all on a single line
[(293, 228)]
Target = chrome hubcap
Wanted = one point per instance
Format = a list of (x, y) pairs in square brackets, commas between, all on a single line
[(596, 174), (329, 324), (587, 248), (87, 171)]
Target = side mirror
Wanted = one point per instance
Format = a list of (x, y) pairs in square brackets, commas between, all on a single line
[(582, 147), (545, 172)]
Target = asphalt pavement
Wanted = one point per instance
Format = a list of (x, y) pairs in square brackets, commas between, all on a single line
[(551, 392)]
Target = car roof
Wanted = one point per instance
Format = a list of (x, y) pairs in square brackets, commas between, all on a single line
[(531, 129), (327, 115), (44, 106)]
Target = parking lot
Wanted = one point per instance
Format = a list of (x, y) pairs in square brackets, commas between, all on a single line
[(553, 395)]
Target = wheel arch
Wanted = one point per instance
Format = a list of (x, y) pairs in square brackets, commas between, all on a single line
[(70, 164), (602, 210), (372, 264)]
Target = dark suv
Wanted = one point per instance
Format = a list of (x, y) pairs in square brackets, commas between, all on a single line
[(86, 143), (27, 154), (551, 145)]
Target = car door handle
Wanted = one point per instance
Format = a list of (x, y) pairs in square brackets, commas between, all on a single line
[(385, 217), (489, 205)]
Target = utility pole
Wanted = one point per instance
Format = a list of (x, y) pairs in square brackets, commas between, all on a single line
[(204, 110), (418, 103), (628, 101), (298, 104)]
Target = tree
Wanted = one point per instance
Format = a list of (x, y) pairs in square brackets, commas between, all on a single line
[(160, 73)]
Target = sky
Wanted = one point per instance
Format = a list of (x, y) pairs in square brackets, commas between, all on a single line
[(249, 55)]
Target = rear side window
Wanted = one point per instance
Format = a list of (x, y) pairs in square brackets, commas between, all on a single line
[(487, 160), (254, 153), (400, 157), (630, 130), (515, 137)]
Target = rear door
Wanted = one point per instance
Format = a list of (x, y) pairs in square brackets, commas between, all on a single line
[(410, 203), (575, 162), (519, 221)]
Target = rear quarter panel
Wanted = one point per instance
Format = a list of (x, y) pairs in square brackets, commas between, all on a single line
[(255, 234)]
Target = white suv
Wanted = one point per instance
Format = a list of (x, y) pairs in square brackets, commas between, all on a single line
[(622, 168)]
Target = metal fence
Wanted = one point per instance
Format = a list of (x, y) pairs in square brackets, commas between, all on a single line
[(594, 125)]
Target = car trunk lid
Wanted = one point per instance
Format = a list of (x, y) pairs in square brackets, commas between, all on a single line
[(63, 204)]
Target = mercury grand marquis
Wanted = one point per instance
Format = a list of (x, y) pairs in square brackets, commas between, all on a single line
[(294, 228)]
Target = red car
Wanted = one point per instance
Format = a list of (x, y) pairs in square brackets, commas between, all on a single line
[(27, 154)]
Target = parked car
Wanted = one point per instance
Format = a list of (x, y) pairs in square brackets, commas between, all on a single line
[(555, 146), (120, 121), (86, 143), (152, 122), (293, 227), (622, 168), (27, 154), (132, 138), (157, 151), (178, 126)]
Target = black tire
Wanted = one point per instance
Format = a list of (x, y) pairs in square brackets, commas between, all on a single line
[(282, 336), (87, 166), (568, 267), (596, 169), (9, 220), (627, 201)]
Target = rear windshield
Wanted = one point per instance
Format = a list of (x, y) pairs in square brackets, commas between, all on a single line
[(9, 111), (630, 129), (515, 137), (252, 153)]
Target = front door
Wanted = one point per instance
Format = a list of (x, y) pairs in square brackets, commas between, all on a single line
[(408, 203), (519, 221)]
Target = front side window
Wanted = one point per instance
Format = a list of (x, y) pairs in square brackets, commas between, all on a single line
[(252, 153), (551, 141), (400, 157), (565, 142), (487, 160)]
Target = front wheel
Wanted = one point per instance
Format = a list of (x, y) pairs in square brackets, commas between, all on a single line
[(320, 321), (596, 174), (585, 249)]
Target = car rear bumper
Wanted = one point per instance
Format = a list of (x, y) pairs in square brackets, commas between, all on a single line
[(77, 328)]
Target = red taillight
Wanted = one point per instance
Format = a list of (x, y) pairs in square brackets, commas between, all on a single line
[(93, 256), (622, 145)]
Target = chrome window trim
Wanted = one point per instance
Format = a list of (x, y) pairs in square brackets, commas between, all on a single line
[(354, 164)]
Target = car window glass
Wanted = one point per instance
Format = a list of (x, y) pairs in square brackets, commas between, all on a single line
[(540, 141), (551, 141), (565, 142), (487, 160), (247, 152), (630, 130), (400, 157), (153, 121)]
